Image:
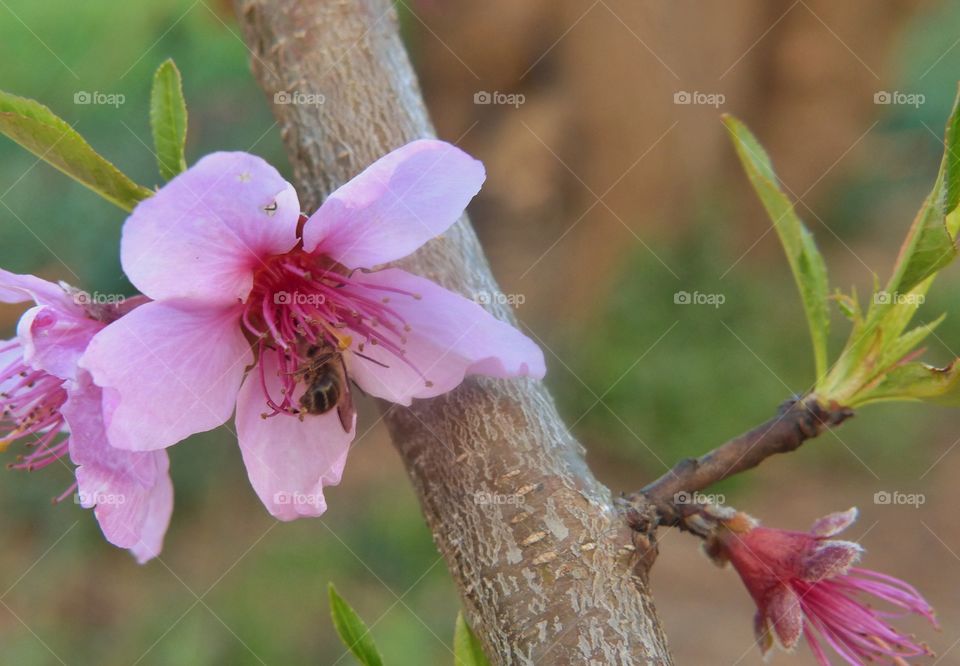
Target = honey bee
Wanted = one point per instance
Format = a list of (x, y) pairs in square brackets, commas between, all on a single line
[(327, 385)]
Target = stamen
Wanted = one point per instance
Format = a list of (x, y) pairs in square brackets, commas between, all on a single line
[(66, 493), (321, 301), (30, 406)]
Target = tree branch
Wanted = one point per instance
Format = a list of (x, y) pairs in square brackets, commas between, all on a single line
[(796, 422), (547, 568)]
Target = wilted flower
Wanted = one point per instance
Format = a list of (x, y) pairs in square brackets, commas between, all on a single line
[(52, 407), (239, 278), (805, 584)]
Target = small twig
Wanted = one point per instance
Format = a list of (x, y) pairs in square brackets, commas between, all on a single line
[(797, 421)]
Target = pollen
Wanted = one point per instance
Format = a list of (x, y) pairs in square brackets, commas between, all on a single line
[(305, 305), (30, 408)]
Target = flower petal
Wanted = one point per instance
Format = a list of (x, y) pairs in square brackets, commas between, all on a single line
[(206, 231), (159, 510), (395, 205), (834, 523), (131, 492), (449, 337), (289, 461), (762, 633), (16, 288), (831, 558), (53, 339), (168, 371), (782, 610)]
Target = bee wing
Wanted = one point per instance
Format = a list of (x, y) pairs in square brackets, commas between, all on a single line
[(345, 408)]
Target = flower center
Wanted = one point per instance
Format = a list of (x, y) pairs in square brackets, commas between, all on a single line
[(308, 311), (30, 402)]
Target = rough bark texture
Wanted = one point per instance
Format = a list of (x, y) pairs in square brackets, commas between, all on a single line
[(547, 567)]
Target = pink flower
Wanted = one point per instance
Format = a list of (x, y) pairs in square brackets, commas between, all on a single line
[(259, 308), (805, 584), (53, 407)]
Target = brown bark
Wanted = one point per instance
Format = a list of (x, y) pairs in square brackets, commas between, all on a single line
[(554, 574), (798, 421)]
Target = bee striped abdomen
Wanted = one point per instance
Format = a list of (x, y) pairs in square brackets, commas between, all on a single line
[(322, 394)]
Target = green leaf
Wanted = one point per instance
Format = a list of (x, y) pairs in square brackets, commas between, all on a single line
[(916, 381), (809, 270), (849, 306), (352, 630), (168, 119), (49, 137), (467, 650), (909, 341), (930, 245), (876, 344)]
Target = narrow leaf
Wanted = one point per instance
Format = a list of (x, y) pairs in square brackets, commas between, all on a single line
[(467, 650), (49, 137), (849, 306), (168, 119), (352, 631), (909, 341), (930, 244), (809, 270), (917, 381)]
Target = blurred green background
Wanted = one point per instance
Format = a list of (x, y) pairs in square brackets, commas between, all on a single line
[(641, 379)]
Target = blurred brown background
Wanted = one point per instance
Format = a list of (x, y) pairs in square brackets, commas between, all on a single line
[(611, 188)]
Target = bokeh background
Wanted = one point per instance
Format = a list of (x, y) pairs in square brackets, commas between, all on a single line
[(606, 197)]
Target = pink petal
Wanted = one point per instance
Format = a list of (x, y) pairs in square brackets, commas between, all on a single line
[(450, 337), (159, 510), (205, 232), (834, 523), (762, 633), (131, 491), (289, 461), (168, 371), (831, 558), (395, 205), (784, 614), (53, 339), (16, 288)]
